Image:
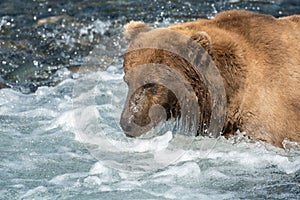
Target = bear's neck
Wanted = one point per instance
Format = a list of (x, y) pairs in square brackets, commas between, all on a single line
[(228, 59)]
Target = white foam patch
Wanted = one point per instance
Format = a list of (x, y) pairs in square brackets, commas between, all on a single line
[(285, 164), (133, 145), (100, 174), (155, 144), (168, 157), (66, 179), (34, 192), (188, 170), (212, 173)]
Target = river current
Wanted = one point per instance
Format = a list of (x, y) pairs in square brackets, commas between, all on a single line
[(60, 136)]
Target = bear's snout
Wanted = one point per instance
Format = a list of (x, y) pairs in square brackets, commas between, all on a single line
[(126, 126)]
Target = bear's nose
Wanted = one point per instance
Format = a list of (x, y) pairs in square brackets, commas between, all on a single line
[(128, 135), (127, 128), (125, 125)]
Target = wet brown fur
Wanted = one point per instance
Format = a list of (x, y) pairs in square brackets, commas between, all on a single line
[(134, 59), (258, 57)]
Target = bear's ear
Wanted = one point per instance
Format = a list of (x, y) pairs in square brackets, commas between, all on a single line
[(203, 39), (133, 28)]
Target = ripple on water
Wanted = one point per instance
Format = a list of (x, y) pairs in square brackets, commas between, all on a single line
[(43, 154)]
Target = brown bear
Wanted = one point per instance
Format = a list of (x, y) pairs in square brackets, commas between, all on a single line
[(258, 57)]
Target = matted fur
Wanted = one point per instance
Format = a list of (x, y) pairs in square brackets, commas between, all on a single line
[(258, 57)]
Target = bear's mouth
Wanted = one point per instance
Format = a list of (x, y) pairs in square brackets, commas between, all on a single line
[(156, 115), (148, 106)]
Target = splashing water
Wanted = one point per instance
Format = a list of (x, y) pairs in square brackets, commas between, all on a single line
[(45, 156), (65, 141)]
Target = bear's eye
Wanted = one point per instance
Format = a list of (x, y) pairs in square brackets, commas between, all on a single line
[(151, 87), (153, 90)]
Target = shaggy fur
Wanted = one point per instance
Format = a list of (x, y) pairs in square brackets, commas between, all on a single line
[(258, 57)]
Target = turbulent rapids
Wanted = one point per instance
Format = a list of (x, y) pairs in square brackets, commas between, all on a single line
[(59, 115)]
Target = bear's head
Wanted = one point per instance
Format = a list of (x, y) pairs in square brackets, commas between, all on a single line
[(152, 89)]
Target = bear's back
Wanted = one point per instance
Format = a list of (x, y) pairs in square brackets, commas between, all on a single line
[(267, 49)]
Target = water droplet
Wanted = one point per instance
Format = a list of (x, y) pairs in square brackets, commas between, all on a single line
[(35, 63)]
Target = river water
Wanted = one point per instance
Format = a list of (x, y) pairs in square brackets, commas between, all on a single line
[(59, 131)]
